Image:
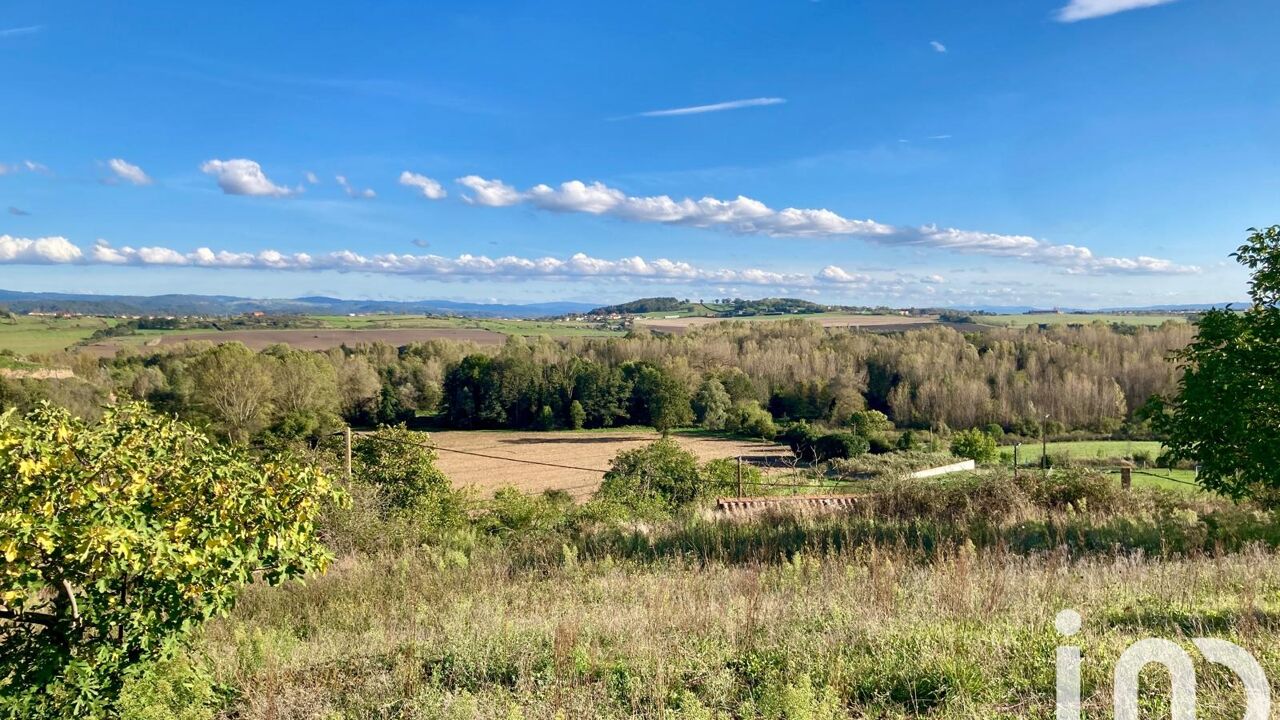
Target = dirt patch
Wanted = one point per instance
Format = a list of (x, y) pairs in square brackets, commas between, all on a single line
[(306, 339), (586, 453), (879, 323)]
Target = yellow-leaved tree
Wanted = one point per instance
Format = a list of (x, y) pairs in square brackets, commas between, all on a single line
[(117, 537)]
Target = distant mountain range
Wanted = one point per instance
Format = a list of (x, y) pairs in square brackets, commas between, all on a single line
[(22, 302)]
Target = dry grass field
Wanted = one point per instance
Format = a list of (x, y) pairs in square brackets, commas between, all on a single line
[(302, 339), (884, 323), (590, 450)]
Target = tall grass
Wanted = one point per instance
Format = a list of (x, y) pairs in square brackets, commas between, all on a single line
[(931, 600)]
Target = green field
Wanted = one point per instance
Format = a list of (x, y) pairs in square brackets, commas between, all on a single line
[(29, 335), (1021, 321)]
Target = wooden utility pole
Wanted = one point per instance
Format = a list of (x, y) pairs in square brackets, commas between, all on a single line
[(739, 476), (346, 435)]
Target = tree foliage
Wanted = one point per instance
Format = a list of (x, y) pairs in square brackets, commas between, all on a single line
[(976, 445), (402, 466), (654, 479), (118, 537), (1225, 415)]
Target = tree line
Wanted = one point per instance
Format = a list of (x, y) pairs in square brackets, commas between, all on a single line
[(735, 376)]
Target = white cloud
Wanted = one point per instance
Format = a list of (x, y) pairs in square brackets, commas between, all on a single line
[(715, 107), (1077, 10), (354, 192), (834, 274), (15, 31), (128, 172), (747, 216), (28, 165), (40, 251), (937, 46), (491, 193), (58, 250), (311, 178), (430, 189), (244, 177)]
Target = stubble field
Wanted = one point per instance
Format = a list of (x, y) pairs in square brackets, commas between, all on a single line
[(571, 461)]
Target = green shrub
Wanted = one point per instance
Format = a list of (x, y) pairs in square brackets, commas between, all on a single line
[(659, 477), (976, 445), (840, 446), (721, 477), (402, 466), (800, 438), (577, 415), (748, 418), (512, 512), (870, 423)]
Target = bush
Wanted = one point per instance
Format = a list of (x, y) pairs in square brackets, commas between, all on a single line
[(870, 423), (721, 477), (800, 438), (907, 440), (878, 445), (512, 512), (748, 418), (655, 479), (976, 445), (577, 415), (402, 466), (119, 537), (840, 446)]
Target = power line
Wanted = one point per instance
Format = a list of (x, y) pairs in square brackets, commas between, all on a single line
[(574, 467)]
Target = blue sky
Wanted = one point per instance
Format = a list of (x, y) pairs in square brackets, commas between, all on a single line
[(1043, 152)]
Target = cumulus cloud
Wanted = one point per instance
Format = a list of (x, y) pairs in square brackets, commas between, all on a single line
[(128, 172), (311, 178), (430, 189), (747, 216), (40, 251), (839, 275), (491, 193), (244, 177), (354, 192), (1077, 10), (937, 46), (714, 107)]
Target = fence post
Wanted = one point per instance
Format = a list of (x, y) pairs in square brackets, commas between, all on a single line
[(739, 476), (346, 434), (1126, 478)]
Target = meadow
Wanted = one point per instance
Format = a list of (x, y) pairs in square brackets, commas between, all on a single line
[(26, 335), (882, 613)]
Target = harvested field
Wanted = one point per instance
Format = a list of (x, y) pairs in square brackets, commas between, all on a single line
[(303, 339), (591, 450), (881, 323)]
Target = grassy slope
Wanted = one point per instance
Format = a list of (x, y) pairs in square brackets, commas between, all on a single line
[(827, 624), (46, 335)]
